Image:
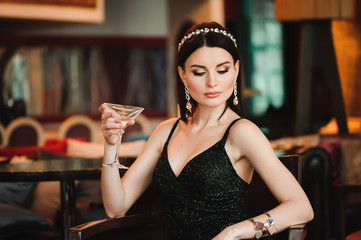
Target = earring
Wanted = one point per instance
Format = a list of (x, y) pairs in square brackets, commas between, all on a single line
[(235, 100), (188, 104)]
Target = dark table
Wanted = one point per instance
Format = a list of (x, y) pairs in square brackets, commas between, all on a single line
[(66, 171)]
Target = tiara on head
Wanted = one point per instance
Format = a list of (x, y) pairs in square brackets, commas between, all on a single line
[(206, 30)]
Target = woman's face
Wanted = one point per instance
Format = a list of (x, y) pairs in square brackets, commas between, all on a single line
[(210, 73)]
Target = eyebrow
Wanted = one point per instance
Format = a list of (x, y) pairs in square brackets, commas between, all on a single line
[(200, 66)]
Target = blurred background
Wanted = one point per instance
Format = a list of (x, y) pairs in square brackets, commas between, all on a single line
[(61, 59), (55, 63)]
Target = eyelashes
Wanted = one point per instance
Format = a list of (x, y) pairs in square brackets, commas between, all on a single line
[(223, 71), (199, 74)]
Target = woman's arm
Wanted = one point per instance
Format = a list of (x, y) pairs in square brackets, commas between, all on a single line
[(294, 207), (120, 194)]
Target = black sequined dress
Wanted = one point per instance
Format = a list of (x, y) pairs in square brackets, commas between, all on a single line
[(206, 197)]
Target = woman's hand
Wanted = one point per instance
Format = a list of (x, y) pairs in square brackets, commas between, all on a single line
[(241, 230), (109, 127), (229, 233)]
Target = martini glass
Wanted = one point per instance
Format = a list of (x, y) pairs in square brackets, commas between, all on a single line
[(123, 114)]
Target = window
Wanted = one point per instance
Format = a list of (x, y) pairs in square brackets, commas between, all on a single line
[(267, 70)]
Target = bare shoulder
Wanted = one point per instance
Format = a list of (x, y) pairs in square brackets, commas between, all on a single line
[(157, 139), (243, 128), (247, 135), (165, 126), (162, 131)]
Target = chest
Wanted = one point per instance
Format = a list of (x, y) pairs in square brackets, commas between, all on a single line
[(184, 146), (210, 173)]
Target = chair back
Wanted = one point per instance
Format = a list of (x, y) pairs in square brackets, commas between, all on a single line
[(260, 199), (24, 131), (79, 126), (2, 136)]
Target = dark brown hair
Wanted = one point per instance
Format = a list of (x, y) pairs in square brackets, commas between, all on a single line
[(209, 39)]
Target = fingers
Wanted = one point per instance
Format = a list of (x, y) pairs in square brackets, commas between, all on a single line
[(106, 116), (111, 131), (101, 108), (110, 128), (131, 122), (110, 124)]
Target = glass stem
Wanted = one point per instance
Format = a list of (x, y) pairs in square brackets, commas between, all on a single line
[(117, 150)]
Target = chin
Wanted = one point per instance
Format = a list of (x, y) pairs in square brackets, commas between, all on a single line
[(213, 104)]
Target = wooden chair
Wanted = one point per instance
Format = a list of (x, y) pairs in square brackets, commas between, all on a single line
[(79, 126), (343, 191), (260, 199), (2, 136), (24, 131), (145, 218)]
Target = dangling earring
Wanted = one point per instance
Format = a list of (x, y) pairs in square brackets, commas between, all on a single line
[(188, 104), (235, 100)]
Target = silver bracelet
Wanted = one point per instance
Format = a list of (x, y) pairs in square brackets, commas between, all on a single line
[(107, 165)]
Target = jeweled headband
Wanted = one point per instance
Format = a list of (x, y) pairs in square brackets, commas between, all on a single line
[(206, 30)]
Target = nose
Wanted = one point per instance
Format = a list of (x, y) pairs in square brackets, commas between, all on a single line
[(211, 80)]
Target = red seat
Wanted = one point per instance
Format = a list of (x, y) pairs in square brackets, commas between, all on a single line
[(354, 236)]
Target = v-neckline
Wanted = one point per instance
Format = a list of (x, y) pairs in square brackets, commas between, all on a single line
[(199, 154), (190, 160)]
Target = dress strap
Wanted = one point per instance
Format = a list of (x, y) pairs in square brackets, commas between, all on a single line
[(173, 128), (228, 129)]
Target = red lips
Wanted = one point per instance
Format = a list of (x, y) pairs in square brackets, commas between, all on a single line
[(212, 94)]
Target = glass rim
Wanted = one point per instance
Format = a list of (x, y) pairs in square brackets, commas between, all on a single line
[(125, 106)]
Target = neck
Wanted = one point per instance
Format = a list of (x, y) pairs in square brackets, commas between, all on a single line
[(205, 116)]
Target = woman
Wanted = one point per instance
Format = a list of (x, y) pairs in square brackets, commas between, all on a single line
[(202, 163)]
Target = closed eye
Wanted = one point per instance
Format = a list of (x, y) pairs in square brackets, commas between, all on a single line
[(223, 71), (198, 73)]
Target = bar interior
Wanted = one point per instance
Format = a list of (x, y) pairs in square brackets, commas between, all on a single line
[(61, 59)]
